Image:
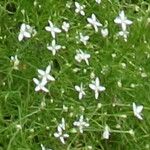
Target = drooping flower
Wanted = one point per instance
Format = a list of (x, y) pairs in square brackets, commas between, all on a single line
[(51, 28), (82, 56), (80, 90), (122, 20), (104, 32), (65, 26), (81, 124), (54, 47), (15, 61), (137, 111), (46, 74), (124, 34), (79, 8), (106, 132), (94, 22), (40, 85), (96, 87)]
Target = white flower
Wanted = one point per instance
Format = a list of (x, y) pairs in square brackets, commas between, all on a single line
[(65, 26), (40, 85), (106, 132), (15, 61), (122, 20), (62, 124), (54, 47), (124, 34), (24, 32), (59, 134), (43, 148), (94, 22), (137, 111), (98, 1), (51, 28), (81, 124), (82, 56), (79, 8), (80, 90), (104, 32), (83, 39), (46, 74), (19, 127), (95, 86)]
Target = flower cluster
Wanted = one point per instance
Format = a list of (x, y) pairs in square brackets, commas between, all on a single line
[(81, 56), (123, 22), (26, 31), (44, 77)]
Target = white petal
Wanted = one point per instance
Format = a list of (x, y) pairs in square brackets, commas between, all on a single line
[(62, 140), (36, 81), (128, 22), (48, 28), (92, 86), (45, 89), (66, 135), (37, 88), (77, 88), (27, 34), (50, 24), (56, 135), (23, 27), (77, 4), (96, 94), (41, 72), (139, 109), (20, 37), (80, 95), (97, 82), (57, 30), (51, 78), (53, 34), (139, 116), (118, 20), (101, 88), (48, 69)]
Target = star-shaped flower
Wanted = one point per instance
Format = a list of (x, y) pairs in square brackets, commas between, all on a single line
[(96, 87), (81, 124), (24, 32), (40, 85), (122, 20), (83, 39), (106, 132), (51, 28), (80, 90), (46, 74), (65, 26), (79, 8), (94, 22), (137, 111), (54, 47), (60, 129), (82, 56)]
